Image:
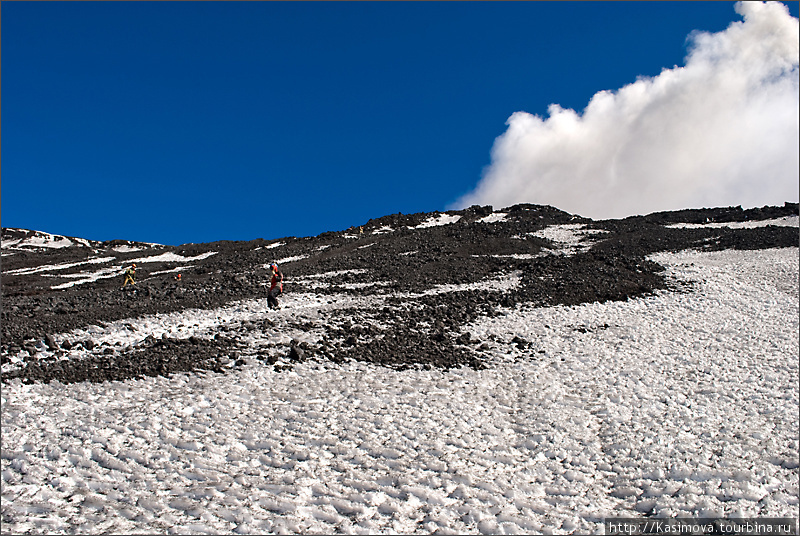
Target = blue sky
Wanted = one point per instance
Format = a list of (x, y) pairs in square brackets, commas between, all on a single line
[(176, 122)]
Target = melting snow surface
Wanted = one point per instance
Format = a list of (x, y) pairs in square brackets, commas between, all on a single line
[(331, 275), (494, 217), (678, 404), (172, 270), (106, 272), (788, 221), (126, 249), (88, 277), (114, 271), (570, 237), (170, 257), (502, 283), (55, 267), (441, 219), (287, 260), (42, 240)]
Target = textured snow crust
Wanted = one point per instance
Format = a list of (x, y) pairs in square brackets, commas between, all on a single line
[(677, 404), (787, 221)]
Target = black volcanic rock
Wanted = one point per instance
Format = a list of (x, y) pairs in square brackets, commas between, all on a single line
[(396, 251)]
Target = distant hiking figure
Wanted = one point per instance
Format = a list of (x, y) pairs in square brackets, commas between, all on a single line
[(275, 286), (129, 275)]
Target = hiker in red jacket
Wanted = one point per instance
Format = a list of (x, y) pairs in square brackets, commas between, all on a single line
[(275, 286)]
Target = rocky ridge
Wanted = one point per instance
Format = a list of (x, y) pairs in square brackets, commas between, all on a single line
[(428, 275)]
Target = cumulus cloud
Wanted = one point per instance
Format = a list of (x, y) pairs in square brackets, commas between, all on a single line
[(721, 130)]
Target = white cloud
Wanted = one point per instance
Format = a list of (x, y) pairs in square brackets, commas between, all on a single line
[(721, 130)]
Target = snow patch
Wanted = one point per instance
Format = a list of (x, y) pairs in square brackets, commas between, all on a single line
[(39, 240), (287, 260), (337, 273), (570, 237), (171, 257), (518, 256), (493, 218), (173, 270), (127, 248), (54, 267), (787, 221), (435, 221), (85, 277), (504, 283), (115, 271)]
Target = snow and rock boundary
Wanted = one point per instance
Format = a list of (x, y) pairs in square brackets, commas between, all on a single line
[(421, 277), (673, 404)]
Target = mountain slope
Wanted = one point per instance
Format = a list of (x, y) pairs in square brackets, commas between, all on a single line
[(670, 392), (415, 280)]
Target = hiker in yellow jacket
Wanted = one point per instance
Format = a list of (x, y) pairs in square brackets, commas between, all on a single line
[(129, 275)]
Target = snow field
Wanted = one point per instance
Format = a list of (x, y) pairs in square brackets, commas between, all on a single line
[(694, 397), (675, 404), (788, 221), (350, 452)]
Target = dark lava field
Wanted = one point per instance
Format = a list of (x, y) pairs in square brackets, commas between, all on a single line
[(49, 292)]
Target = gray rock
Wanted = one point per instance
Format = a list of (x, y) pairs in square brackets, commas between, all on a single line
[(50, 341)]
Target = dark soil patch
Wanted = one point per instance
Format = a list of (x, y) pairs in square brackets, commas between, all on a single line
[(155, 358)]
